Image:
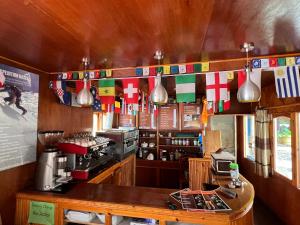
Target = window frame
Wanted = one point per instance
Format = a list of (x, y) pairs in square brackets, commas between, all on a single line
[(245, 127), (273, 146)]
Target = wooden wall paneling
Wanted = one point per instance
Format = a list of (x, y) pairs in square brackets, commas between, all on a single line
[(287, 196), (199, 170)]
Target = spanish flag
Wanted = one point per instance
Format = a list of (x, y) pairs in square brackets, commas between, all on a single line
[(107, 91)]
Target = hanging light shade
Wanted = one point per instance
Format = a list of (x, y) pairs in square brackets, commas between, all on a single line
[(85, 97), (159, 94), (248, 92)]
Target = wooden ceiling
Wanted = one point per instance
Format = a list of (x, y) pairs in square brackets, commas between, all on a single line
[(53, 35)]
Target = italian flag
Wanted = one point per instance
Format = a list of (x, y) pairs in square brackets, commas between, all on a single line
[(185, 88)]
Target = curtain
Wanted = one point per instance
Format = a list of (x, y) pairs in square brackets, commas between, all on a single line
[(262, 143)]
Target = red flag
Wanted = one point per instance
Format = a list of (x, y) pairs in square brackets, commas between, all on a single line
[(273, 62), (189, 68), (117, 107), (227, 103), (97, 75), (80, 85), (151, 84), (69, 75), (131, 90), (241, 77), (152, 71)]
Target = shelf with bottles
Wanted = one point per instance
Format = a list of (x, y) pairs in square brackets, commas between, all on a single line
[(171, 154)]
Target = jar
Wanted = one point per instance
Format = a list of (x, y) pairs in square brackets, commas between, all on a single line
[(187, 142), (171, 156), (183, 142), (173, 141), (164, 155), (195, 142), (176, 141), (140, 153), (179, 142)]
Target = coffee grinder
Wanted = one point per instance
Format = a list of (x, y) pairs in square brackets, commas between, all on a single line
[(52, 168)]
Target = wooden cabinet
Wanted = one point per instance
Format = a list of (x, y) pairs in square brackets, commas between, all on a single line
[(122, 173), (125, 174)]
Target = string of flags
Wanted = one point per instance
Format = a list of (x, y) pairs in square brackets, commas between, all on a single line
[(286, 73)]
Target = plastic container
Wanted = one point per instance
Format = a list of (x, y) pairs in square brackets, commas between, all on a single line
[(234, 171)]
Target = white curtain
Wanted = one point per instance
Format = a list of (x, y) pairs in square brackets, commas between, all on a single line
[(262, 143)]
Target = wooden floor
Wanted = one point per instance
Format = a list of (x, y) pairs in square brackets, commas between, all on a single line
[(264, 216)]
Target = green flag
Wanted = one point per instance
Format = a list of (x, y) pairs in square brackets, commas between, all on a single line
[(185, 88)]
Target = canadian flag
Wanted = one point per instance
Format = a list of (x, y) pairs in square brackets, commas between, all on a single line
[(2, 79), (131, 90)]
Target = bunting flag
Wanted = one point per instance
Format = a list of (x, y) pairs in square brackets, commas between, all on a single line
[(81, 75), (290, 61), (189, 68), (264, 63), (117, 106), (109, 73), (273, 62), (131, 90), (297, 60), (185, 88), (230, 75), (97, 74), (256, 63), (205, 66), (281, 62), (255, 76), (80, 84), (152, 71), (139, 71), (64, 76), (174, 69), (91, 75), (2, 79), (182, 69), (146, 71), (287, 81), (107, 91), (216, 86), (197, 68), (60, 90), (166, 69), (75, 75)]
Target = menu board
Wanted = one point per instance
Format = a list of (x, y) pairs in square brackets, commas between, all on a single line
[(168, 117), (127, 120), (147, 120), (191, 118)]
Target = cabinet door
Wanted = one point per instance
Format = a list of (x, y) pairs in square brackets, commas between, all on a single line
[(125, 175)]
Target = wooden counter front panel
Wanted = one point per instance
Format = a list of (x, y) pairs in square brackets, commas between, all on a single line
[(122, 173), (199, 170)]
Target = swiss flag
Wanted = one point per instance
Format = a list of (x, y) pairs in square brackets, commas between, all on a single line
[(131, 90), (2, 79)]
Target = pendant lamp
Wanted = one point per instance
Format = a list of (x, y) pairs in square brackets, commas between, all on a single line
[(85, 97), (249, 91), (159, 95)]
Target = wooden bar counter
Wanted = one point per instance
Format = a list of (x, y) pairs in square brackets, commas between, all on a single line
[(138, 202)]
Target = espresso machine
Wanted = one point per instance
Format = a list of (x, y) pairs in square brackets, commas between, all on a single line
[(87, 155), (52, 170)]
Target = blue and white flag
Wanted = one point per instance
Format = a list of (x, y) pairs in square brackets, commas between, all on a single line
[(287, 81)]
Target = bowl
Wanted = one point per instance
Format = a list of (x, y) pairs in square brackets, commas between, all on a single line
[(144, 145), (151, 145)]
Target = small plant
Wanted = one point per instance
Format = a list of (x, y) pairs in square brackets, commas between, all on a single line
[(284, 132)]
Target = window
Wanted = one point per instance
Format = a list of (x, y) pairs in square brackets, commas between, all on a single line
[(282, 146), (249, 136)]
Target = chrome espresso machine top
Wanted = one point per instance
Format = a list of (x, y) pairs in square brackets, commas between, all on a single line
[(126, 141)]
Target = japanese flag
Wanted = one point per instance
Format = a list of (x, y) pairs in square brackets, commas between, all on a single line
[(2, 79)]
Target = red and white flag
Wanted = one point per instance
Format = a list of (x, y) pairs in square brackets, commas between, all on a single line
[(131, 90), (255, 76), (2, 79), (216, 86)]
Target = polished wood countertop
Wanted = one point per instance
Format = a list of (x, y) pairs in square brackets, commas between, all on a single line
[(143, 202)]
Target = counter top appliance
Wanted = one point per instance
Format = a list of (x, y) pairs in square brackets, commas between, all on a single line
[(126, 141)]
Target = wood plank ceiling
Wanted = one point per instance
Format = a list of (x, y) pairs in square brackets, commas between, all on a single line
[(54, 35)]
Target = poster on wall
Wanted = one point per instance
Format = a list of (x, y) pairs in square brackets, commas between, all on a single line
[(19, 95)]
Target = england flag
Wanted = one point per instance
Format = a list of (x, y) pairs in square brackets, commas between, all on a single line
[(287, 81)]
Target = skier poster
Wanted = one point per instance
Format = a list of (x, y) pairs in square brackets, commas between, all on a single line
[(19, 95)]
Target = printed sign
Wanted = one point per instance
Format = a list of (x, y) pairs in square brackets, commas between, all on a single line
[(19, 96), (41, 213)]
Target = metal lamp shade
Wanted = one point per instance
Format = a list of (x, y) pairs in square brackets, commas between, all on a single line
[(85, 97), (159, 94), (248, 92)]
